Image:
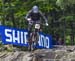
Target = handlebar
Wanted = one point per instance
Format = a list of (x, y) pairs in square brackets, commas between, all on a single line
[(30, 20)]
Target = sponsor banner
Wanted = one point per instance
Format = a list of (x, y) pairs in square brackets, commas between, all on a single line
[(19, 37)]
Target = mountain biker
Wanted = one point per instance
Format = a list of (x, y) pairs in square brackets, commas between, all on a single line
[(34, 15)]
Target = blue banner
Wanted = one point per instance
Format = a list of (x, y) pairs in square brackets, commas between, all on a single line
[(19, 37)]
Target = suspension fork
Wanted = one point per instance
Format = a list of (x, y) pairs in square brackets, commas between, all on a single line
[(36, 36)]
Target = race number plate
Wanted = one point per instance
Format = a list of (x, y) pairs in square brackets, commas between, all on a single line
[(37, 26)]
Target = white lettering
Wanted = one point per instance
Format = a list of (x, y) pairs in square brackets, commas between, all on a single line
[(25, 37), (22, 37), (8, 35), (41, 40), (47, 42), (16, 37)]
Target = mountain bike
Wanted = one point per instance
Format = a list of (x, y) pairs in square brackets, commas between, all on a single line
[(34, 36)]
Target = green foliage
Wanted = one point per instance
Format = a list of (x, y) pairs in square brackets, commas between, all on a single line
[(58, 12), (64, 3), (68, 40)]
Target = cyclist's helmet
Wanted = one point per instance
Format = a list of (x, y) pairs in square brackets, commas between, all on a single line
[(35, 9)]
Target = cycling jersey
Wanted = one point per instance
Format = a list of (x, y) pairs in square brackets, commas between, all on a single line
[(35, 16)]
